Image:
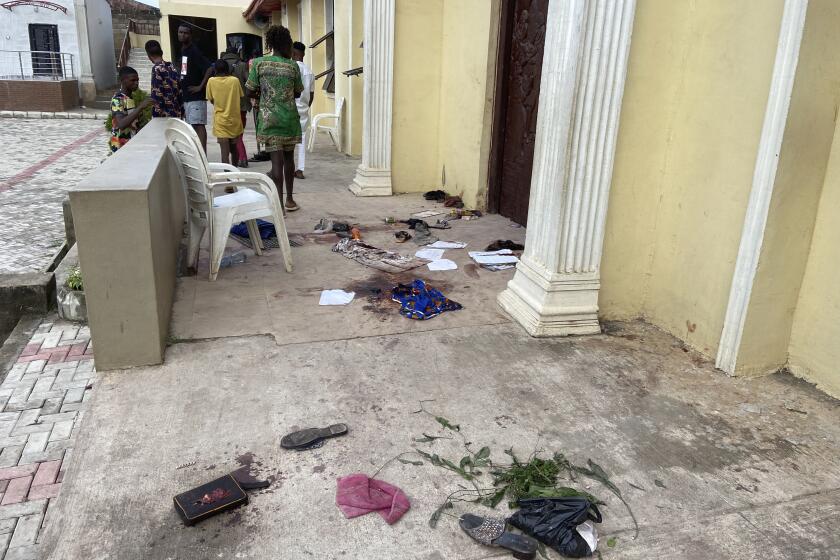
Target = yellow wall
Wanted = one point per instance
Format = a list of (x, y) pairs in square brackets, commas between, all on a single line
[(815, 338), (796, 194), (227, 13), (442, 111), (349, 33), (417, 95), (692, 113)]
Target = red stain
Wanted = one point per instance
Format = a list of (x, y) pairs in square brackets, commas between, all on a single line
[(52, 158)]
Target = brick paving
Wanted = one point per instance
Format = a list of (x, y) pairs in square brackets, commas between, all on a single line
[(42, 400), (45, 158)]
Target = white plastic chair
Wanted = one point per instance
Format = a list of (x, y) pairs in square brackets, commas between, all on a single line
[(258, 199), (333, 131)]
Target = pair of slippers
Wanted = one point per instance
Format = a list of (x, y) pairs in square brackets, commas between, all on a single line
[(311, 438)]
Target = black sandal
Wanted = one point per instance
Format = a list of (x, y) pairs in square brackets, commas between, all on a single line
[(303, 439), (490, 531)]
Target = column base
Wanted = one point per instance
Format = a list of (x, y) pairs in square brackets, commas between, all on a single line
[(87, 90), (549, 305), (371, 182)]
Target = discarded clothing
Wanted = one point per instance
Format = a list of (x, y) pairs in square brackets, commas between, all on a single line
[(421, 302), (267, 230), (453, 202), (336, 297), (505, 244), (422, 235), (358, 494), (554, 521), (380, 259), (437, 196)]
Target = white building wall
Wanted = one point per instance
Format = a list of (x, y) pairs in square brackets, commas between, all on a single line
[(14, 34), (101, 37)]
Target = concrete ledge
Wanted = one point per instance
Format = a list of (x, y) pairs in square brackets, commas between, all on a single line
[(29, 292), (128, 217), (82, 114)]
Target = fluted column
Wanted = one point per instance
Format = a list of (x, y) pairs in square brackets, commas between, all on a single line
[(373, 177), (555, 289)]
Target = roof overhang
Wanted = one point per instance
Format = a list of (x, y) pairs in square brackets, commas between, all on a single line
[(261, 8)]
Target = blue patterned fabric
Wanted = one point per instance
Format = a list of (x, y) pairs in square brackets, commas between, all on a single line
[(422, 302), (266, 229)]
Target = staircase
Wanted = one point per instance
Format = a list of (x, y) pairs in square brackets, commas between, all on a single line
[(138, 60)]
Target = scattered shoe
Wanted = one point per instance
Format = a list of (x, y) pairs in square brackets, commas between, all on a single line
[(299, 174), (324, 226), (490, 531), (260, 156), (402, 236), (453, 202), (304, 438), (504, 244)]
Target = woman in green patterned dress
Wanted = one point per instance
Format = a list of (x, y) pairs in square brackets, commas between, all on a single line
[(275, 80)]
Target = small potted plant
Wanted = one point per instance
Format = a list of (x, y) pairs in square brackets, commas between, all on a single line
[(71, 297)]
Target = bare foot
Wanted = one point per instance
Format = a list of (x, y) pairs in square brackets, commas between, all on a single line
[(299, 174)]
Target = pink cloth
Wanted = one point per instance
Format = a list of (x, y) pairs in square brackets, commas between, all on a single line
[(359, 494)]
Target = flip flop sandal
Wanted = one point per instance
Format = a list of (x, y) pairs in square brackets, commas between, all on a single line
[(402, 236), (294, 208), (310, 436), (490, 531)]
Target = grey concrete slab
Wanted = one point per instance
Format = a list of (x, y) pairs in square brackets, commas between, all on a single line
[(732, 483)]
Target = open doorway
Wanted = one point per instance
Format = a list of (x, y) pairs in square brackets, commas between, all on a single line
[(518, 71), (203, 35), (246, 43)]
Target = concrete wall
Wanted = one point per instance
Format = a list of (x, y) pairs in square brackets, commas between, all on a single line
[(697, 86), (417, 95), (101, 39), (227, 13), (14, 33), (806, 147), (443, 72), (128, 217), (814, 351)]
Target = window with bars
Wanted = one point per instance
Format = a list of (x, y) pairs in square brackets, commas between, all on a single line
[(329, 45)]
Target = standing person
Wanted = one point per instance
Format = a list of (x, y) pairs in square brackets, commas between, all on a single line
[(225, 92), (165, 86), (304, 102), (239, 69), (195, 71), (275, 81), (260, 155), (124, 111)]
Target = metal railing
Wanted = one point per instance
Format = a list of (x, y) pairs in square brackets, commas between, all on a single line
[(36, 65), (138, 28)]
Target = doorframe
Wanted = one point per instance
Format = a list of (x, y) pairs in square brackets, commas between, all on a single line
[(497, 135)]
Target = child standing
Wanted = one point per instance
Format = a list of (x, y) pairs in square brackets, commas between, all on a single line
[(224, 92), (124, 111)]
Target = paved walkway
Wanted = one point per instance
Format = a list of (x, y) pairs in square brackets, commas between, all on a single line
[(44, 159), (42, 399)]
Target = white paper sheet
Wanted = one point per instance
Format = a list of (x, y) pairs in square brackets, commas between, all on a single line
[(427, 214), (495, 259), (336, 297), (447, 245), (429, 254), (473, 254), (442, 264)]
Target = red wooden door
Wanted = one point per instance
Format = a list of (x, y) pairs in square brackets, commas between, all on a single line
[(517, 99)]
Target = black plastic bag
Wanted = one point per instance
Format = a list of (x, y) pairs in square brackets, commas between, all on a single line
[(553, 522)]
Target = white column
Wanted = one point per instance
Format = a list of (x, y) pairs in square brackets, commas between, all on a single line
[(87, 85), (555, 289), (373, 177), (764, 179)]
